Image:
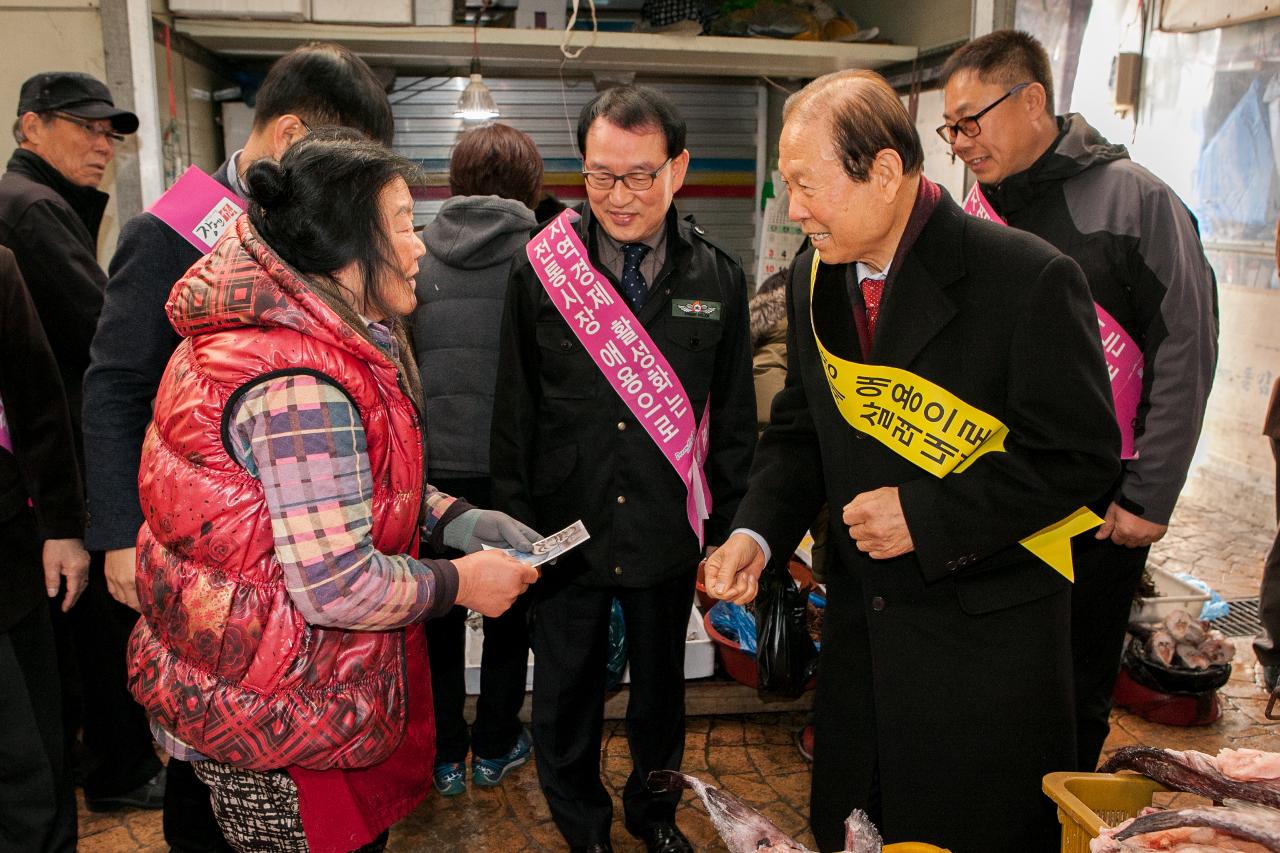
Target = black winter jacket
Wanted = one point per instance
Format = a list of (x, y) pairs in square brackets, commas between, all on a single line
[(565, 447), (1140, 250), (130, 350), (42, 465), (51, 226)]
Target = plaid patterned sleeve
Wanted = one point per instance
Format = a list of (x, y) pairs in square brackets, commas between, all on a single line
[(302, 438)]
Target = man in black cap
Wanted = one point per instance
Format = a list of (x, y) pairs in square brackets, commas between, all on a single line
[(50, 212)]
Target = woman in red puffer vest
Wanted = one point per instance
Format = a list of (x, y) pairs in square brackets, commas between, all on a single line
[(282, 482)]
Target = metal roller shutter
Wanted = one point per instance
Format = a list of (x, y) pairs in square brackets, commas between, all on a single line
[(724, 140)]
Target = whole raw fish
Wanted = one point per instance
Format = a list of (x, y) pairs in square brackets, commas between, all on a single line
[(1184, 627), (1161, 646), (1235, 827), (1192, 657), (1197, 773), (745, 830)]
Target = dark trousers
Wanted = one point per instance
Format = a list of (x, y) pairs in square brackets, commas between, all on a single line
[(1107, 576), (118, 753), (37, 800), (570, 628), (503, 672), (1267, 646), (503, 664)]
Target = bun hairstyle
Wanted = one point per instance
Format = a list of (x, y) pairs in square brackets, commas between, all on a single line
[(318, 209), (268, 184)]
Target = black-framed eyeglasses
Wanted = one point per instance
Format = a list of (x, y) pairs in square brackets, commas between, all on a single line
[(634, 181), (969, 124), (92, 129)]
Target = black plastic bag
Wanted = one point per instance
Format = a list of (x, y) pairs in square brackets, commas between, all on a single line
[(785, 655)]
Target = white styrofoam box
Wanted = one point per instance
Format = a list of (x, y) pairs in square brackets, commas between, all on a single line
[(433, 13), (699, 654), (541, 15), (1171, 594), (362, 11), (276, 10)]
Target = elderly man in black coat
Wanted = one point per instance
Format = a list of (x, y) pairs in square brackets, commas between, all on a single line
[(919, 337)]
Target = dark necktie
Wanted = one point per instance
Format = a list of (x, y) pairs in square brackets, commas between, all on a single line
[(634, 288), (872, 290)]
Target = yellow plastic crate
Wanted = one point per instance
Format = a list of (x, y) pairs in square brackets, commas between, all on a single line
[(1089, 801)]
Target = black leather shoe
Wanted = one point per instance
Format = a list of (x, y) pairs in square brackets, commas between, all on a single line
[(598, 847), (148, 795), (666, 838)]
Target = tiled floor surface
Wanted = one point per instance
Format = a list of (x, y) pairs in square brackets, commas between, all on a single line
[(754, 755)]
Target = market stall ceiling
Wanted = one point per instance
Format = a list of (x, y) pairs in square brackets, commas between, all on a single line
[(537, 52)]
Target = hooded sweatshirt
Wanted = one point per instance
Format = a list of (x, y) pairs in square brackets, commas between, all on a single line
[(462, 286), (1139, 247)]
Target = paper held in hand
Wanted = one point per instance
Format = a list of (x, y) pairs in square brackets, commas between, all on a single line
[(550, 547)]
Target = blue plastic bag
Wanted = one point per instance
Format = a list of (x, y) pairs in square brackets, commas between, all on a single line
[(1215, 607), (616, 662), (735, 623)]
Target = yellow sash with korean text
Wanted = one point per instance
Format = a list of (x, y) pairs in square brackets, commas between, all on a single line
[(933, 429)]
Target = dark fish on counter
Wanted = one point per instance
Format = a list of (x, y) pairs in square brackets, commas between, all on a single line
[(745, 830), (1235, 827), (1195, 773), (1161, 646)]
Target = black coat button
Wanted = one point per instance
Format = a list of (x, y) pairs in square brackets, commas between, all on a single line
[(877, 604), (566, 345)]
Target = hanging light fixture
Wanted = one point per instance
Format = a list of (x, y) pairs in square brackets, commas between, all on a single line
[(476, 103)]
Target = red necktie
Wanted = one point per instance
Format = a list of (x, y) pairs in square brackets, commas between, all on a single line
[(872, 290)]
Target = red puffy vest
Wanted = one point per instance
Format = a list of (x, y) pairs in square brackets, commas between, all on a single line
[(222, 659)]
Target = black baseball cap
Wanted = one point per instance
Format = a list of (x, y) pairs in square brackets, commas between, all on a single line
[(76, 94)]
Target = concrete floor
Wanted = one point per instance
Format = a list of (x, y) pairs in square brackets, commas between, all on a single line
[(754, 755)]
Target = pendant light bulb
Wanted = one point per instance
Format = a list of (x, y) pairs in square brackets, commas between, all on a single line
[(476, 103)]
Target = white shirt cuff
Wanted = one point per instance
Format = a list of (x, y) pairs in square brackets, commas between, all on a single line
[(759, 540)]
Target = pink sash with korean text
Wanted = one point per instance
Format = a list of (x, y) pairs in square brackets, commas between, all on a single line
[(626, 355), (198, 207), (1124, 358)]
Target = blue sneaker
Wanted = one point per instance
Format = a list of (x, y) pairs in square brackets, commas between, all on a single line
[(487, 772), (450, 778)]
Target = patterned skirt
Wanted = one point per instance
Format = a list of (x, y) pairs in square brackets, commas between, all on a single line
[(258, 811)]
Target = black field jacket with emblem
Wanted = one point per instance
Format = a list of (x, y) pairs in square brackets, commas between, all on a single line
[(564, 446)]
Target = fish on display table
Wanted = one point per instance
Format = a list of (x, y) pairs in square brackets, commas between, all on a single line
[(1234, 828), (1248, 775)]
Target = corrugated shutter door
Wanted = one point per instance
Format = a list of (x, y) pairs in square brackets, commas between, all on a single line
[(720, 190)]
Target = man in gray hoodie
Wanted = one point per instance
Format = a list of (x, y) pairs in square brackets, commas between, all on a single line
[(495, 175)]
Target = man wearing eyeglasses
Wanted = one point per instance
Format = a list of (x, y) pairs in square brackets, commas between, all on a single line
[(568, 443), (1139, 246), (51, 208)]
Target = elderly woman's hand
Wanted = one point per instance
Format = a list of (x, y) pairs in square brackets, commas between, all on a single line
[(489, 581), (476, 528)]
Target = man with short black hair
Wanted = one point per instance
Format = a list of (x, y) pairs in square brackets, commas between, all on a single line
[(624, 399), (313, 85), (1156, 300)]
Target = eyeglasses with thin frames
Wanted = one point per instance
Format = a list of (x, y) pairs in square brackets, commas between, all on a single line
[(968, 125), (634, 181), (91, 129)]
